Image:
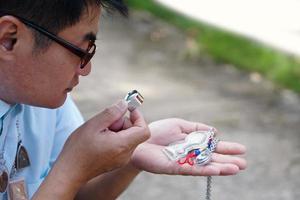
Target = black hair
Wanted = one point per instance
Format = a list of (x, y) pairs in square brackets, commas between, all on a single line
[(56, 15)]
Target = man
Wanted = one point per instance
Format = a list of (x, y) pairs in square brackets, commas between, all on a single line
[(45, 46)]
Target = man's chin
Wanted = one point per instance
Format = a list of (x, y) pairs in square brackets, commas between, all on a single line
[(51, 103), (58, 103)]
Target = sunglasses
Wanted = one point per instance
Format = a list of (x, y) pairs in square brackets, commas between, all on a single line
[(84, 55)]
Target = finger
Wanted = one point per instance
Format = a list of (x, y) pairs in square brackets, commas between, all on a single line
[(225, 168), (219, 158), (127, 123), (118, 125), (137, 118), (134, 135), (208, 170), (138, 132), (230, 148), (109, 115), (188, 126), (211, 169)]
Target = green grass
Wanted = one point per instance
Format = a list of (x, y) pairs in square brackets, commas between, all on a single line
[(282, 69)]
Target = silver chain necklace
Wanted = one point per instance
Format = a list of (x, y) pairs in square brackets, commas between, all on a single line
[(22, 159), (208, 187), (209, 178), (17, 185), (197, 149), (4, 174), (14, 169)]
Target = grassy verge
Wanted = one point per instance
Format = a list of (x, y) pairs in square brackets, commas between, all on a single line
[(223, 46)]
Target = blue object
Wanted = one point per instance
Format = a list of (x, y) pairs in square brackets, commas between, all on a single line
[(43, 133), (197, 152)]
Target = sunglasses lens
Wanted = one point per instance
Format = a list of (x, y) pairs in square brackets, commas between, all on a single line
[(88, 56)]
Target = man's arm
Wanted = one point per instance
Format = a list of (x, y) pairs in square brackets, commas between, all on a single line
[(58, 185), (109, 185), (92, 150)]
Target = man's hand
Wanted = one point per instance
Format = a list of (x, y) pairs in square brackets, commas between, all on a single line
[(100, 145), (94, 148), (149, 156)]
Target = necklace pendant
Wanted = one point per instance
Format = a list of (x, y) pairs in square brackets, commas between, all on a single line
[(22, 158), (17, 190), (3, 178)]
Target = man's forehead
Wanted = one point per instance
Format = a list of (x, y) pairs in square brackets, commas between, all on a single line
[(91, 13), (90, 19), (86, 29)]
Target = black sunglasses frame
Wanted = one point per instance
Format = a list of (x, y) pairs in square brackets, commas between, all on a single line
[(84, 55)]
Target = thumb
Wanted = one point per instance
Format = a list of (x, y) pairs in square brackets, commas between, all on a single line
[(110, 115), (135, 135), (139, 132)]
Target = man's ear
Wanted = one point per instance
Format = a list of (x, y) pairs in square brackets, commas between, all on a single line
[(8, 35)]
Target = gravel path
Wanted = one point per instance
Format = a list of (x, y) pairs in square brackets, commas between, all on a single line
[(149, 55)]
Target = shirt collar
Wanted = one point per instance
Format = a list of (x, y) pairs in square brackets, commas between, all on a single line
[(4, 108)]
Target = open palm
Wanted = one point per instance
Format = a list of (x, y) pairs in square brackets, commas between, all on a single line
[(149, 156)]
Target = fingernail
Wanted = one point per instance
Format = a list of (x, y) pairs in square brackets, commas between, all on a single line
[(213, 129), (243, 148)]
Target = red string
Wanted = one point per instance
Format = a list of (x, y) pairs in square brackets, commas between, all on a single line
[(188, 159)]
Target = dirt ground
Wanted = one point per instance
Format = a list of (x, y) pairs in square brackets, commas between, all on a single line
[(157, 59)]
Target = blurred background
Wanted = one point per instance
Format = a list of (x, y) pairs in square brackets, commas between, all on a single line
[(199, 60)]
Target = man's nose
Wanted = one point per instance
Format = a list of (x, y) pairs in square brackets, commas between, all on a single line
[(85, 71)]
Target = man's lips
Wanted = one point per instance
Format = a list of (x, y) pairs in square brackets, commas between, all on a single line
[(69, 89)]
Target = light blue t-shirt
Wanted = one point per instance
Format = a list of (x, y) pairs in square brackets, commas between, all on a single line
[(43, 134)]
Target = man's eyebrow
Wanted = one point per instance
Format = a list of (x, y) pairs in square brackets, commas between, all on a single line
[(90, 37)]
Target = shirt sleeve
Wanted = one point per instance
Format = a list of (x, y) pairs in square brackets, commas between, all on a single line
[(68, 119)]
